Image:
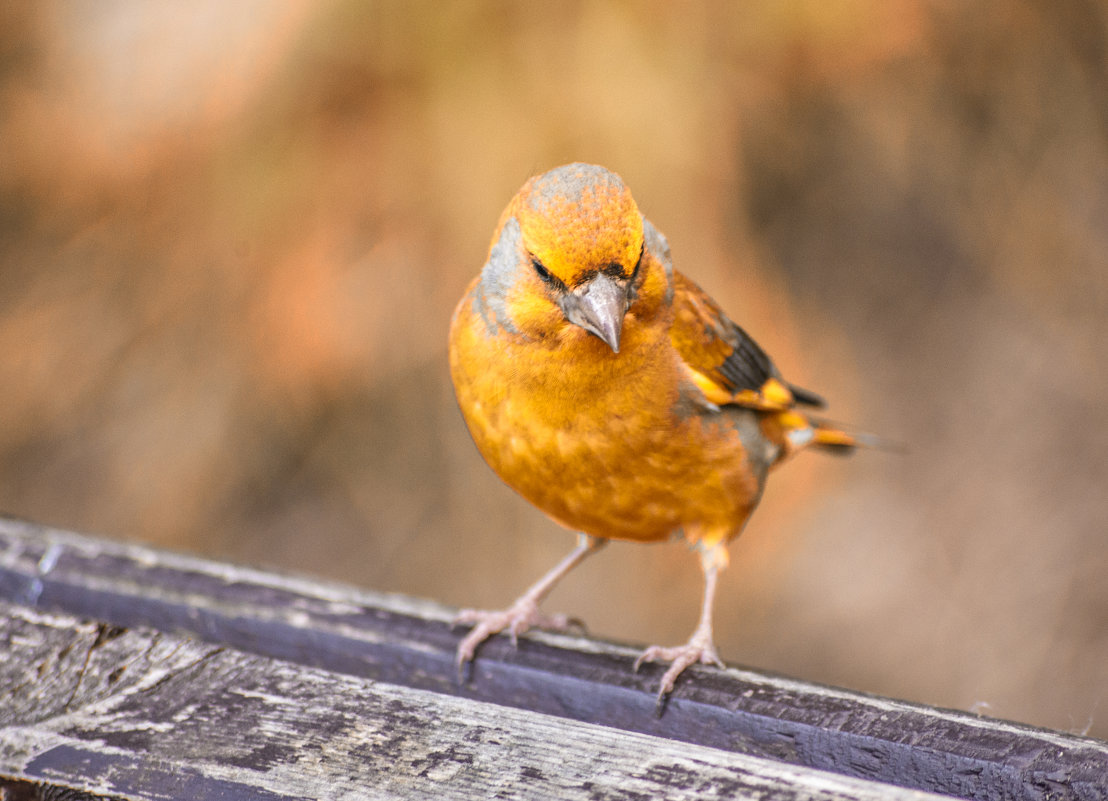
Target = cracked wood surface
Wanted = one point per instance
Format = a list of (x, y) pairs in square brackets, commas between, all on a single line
[(406, 642), (138, 714)]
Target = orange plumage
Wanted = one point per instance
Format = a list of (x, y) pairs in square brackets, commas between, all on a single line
[(613, 393)]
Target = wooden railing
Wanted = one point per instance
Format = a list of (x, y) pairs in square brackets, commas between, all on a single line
[(127, 672)]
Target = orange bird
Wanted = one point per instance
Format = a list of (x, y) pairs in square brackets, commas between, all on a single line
[(612, 393)]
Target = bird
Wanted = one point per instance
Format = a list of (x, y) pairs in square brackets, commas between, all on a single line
[(615, 395)]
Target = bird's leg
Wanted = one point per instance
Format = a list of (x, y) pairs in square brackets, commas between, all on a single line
[(700, 647), (524, 613)]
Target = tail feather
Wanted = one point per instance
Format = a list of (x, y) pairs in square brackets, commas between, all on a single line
[(831, 437), (795, 431)]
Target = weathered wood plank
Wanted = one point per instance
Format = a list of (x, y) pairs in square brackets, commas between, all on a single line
[(138, 714), (405, 642)]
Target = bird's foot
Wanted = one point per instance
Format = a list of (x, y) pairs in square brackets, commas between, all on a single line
[(524, 614), (698, 649)]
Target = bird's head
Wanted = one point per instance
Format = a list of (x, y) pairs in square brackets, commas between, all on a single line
[(577, 255)]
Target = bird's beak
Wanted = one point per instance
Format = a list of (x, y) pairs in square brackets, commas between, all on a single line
[(598, 307)]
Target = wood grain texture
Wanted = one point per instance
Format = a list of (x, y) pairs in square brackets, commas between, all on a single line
[(139, 714), (406, 642)]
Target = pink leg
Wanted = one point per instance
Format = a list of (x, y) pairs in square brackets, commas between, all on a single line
[(524, 613), (700, 647)]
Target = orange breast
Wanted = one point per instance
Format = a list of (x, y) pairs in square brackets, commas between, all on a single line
[(609, 444)]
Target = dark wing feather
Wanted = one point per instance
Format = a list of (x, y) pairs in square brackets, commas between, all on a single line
[(747, 366), (807, 397), (731, 364)]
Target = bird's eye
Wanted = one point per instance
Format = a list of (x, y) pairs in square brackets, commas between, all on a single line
[(638, 264), (544, 273)]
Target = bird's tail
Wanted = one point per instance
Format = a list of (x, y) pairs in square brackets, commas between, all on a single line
[(835, 438), (802, 431)]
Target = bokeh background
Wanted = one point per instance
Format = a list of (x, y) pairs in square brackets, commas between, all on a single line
[(232, 235)]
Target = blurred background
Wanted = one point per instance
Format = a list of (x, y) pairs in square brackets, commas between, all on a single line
[(232, 236)]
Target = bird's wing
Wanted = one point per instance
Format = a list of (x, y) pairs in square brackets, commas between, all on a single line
[(722, 359)]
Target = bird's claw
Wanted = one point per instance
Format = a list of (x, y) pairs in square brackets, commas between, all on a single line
[(679, 657), (524, 614)]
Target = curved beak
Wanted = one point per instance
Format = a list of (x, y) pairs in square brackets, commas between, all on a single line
[(598, 306)]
